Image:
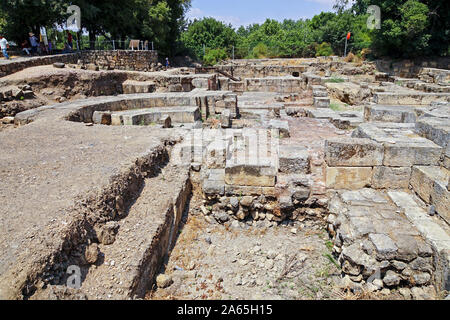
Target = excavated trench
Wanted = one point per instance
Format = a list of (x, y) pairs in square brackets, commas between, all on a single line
[(134, 221)]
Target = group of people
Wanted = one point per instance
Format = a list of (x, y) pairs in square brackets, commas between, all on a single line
[(34, 46)]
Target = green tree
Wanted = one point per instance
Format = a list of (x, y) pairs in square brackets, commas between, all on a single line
[(209, 32), (213, 56), (22, 17)]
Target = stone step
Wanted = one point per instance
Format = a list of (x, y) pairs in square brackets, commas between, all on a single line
[(431, 185), (152, 116), (432, 230), (132, 86), (409, 98), (434, 129), (397, 114), (294, 159), (373, 238)]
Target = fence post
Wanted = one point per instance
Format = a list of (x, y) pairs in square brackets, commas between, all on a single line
[(114, 45), (153, 48), (233, 52)]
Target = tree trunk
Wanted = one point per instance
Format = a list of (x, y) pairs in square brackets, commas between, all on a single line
[(92, 39)]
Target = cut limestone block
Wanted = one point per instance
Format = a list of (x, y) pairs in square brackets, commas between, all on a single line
[(131, 87), (349, 178), (102, 117), (225, 119), (293, 159), (152, 115), (322, 114), (263, 175), (391, 177), (398, 114), (165, 121), (352, 152), (407, 98), (414, 152), (423, 179), (434, 129), (216, 153), (431, 231), (213, 187), (440, 198), (320, 102), (282, 126)]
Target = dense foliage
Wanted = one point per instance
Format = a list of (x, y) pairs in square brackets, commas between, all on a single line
[(409, 28), (159, 21)]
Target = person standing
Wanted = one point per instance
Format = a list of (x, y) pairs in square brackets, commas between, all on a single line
[(69, 39), (25, 47), (4, 45), (34, 43), (167, 63)]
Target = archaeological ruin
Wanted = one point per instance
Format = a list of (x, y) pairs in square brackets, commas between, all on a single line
[(254, 179)]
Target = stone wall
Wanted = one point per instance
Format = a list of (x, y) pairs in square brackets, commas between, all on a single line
[(121, 59), (411, 68), (16, 66), (118, 59)]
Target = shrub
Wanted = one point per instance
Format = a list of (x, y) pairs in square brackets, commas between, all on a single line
[(213, 56), (260, 51), (324, 50)]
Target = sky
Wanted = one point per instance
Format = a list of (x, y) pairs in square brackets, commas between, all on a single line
[(245, 12)]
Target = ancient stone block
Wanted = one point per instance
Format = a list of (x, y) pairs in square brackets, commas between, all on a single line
[(165, 121), (293, 159), (282, 126), (225, 119), (263, 175), (102, 117), (385, 247), (216, 153), (349, 178), (422, 181), (440, 198), (397, 114), (320, 102), (404, 154), (351, 152), (391, 177), (213, 187)]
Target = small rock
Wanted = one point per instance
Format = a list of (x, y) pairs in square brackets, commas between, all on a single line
[(246, 201), (163, 281), (294, 231), (405, 292), (59, 65), (391, 279), (378, 283), (8, 120), (91, 253), (385, 292)]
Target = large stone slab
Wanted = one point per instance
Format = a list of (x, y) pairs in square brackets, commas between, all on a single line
[(321, 102), (398, 114), (434, 129), (349, 178), (293, 159), (352, 152), (391, 177), (424, 178), (409, 98), (404, 154), (260, 175)]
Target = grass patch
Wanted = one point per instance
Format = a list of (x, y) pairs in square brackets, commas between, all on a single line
[(335, 80), (335, 107)]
